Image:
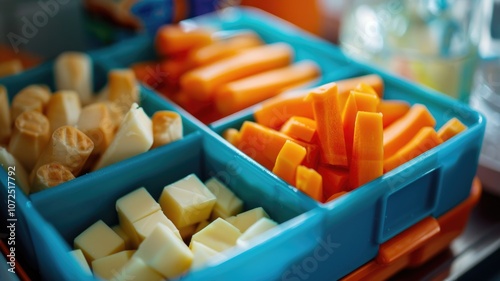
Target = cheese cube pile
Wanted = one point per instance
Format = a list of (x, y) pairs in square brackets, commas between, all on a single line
[(192, 224)]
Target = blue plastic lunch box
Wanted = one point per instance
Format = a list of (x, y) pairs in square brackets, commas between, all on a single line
[(313, 241)]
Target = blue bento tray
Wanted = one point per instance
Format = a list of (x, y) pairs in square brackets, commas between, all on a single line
[(314, 241)]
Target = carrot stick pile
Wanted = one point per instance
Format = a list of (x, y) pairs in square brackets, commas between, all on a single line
[(212, 77), (332, 139)]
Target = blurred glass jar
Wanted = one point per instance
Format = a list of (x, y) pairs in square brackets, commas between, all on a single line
[(432, 42), (485, 98)]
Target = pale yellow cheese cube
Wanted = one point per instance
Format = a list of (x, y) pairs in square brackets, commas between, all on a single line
[(98, 241), (201, 226), (261, 226), (80, 258), (227, 203), (110, 266), (136, 269), (165, 253), (134, 137), (219, 235), (244, 220), (203, 254), (128, 242), (146, 225), (133, 207), (187, 201)]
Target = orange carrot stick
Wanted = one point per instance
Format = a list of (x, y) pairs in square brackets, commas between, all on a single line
[(392, 110), (372, 80), (190, 105), (334, 179), (365, 88), (362, 82), (452, 128), (348, 121), (263, 145), (276, 111), (174, 68), (174, 39), (150, 73), (289, 158), (208, 115), (367, 161), (425, 139), (300, 128), (329, 124), (201, 83), (366, 102), (309, 182), (248, 91), (405, 128), (223, 49)]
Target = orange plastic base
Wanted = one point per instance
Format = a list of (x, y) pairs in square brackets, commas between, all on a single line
[(419, 243)]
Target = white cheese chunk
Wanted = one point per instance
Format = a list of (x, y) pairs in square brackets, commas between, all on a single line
[(134, 136)]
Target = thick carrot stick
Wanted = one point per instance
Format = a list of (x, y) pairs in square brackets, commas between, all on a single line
[(452, 128), (201, 83), (150, 73), (334, 179), (425, 139), (310, 182), (372, 80), (223, 49), (173, 69), (365, 101), (329, 124), (348, 121), (392, 110), (174, 39), (192, 106), (300, 128), (405, 128), (289, 158), (365, 88), (276, 111), (364, 83), (248, 91), (263, 145), (367, 161), (208, 115)]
